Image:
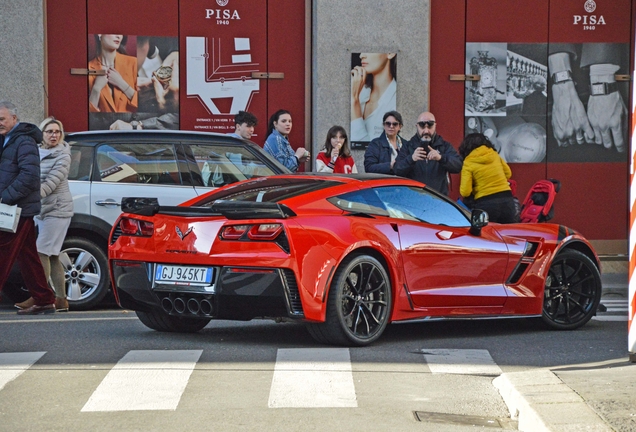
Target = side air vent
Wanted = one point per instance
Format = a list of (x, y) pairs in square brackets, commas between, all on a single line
[(531, 249), (292, 294), (517, 273), (116, 234)]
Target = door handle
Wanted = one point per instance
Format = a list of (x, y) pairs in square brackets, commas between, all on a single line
[(268, 75), (83, 71), (462, 77), (107, 202), (619, 77)]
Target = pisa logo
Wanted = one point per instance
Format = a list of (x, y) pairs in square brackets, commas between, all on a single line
[(589, 22)]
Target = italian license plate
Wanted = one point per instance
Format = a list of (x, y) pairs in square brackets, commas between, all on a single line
[(184, 275)]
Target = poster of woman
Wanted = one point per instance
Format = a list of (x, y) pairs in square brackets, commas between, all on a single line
[(134, 82), (373, 91)]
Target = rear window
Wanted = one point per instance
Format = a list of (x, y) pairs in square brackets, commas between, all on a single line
[(268, 190)]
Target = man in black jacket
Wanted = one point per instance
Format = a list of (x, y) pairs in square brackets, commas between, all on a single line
[(20, 184), (427, 158)]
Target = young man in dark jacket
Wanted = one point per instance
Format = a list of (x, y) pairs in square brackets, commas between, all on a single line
[(427, 158), (20, 184)]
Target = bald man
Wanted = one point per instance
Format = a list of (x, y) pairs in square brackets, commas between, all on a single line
[(427, 158)]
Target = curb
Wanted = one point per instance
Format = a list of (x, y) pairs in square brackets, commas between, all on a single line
[(541, 402)]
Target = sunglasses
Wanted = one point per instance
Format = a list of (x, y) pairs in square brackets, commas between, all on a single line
[(391, 124), (424, 124)]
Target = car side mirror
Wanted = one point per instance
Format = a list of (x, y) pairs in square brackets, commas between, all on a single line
[(478, 220)]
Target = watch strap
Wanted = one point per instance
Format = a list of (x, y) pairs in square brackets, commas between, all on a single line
[(603, 88)]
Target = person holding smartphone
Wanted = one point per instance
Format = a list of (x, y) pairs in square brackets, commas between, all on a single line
[(427, 157)]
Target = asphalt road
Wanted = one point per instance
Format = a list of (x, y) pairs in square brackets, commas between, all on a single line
[(103, 370)]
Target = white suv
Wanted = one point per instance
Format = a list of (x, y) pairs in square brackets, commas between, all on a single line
[(106, 166)]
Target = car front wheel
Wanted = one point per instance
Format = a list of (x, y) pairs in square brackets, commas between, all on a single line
[(86, 267), (572, 291)]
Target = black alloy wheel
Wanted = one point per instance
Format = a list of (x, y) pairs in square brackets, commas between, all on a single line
[(359, 304), (572, 291)]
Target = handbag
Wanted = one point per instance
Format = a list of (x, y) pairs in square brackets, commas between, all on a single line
[(9, 217)]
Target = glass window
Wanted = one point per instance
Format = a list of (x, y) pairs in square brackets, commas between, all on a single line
[(138, 163), (220, 165), (420, 204), (81, 163), (362, 201)]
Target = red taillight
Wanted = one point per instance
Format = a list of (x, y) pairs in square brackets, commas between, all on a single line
[(234, 232), (254, 232), (265, 231), (146, 228), (134, 227)]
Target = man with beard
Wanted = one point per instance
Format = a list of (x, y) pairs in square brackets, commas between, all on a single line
[(427, 158), (20, 185)]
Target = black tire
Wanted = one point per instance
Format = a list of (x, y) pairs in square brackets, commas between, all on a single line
[(572, 291), (357, 313), (87, 277), (161, 321)]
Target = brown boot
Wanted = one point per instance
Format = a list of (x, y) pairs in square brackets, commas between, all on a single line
[(61, 304), (25, 304)]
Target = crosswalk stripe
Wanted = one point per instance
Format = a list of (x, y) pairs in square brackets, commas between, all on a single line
[(145, 380), (461, 361), (610, 318), (617, 309), (313, 378), (12, 365)]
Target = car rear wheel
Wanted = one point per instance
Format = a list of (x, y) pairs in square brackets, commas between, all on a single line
[(359, 304), (86, 266), (161, 321), (572, 291)]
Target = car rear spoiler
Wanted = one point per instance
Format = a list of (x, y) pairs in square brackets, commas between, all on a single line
[(234, 210)]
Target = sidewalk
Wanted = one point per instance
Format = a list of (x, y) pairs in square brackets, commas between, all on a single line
[(587, 397)]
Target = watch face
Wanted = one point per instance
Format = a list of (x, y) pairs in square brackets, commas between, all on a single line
[(598, 89), (562, 76)]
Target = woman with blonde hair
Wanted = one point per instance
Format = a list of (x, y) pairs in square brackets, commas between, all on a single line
[(57, 208)]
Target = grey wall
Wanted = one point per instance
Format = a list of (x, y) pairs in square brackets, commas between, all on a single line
[(344, 27), (22, 57)]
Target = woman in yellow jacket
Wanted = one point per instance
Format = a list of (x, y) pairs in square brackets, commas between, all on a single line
[(485, 176)]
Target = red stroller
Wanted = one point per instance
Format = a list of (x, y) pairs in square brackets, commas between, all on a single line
[(538, 205)]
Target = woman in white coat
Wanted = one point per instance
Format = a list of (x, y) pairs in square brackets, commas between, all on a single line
[(57, 208)]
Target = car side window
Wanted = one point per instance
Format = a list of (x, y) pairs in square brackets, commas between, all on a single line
[(362, 201), (138, 163), (220, 165), (81, 163), (420, 204)]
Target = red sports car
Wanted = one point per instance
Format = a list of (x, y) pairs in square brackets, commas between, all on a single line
[(347, 255)]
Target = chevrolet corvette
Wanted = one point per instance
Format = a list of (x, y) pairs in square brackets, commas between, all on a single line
[(346, 255)]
